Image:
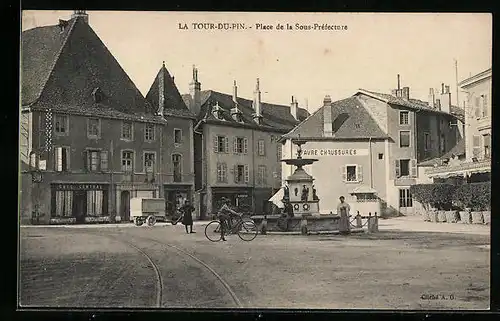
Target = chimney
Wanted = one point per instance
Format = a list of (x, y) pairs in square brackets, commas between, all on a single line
[(63, 24), (442, 88), (327, 117), (256, 103), (161, 90), (399, 82), (432, 98), (293, 108), (195, 92), (405, 93), (446, 99), (438, 104), (398, 92), (80, 14), (235, 94)]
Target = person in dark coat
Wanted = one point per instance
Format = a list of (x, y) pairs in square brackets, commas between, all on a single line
[(187, 219)]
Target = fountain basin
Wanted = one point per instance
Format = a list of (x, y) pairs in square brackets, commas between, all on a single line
[(314, 223), (299, 161)]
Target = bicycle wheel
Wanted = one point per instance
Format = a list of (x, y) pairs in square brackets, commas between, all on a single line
[(212, 231), (248, 230)]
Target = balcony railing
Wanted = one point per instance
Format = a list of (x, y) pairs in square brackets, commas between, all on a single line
[(458, 168)]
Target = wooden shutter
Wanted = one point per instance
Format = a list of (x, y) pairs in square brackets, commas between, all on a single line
[(65, 158), (58, 159), (343, 170), (245, 146), (235, 145), (397, 168), (216, 142), (86, 160), (485, 104), (104, 160), (235, 172), (413, 168), (247, 174), (226, 141), (359, 173)]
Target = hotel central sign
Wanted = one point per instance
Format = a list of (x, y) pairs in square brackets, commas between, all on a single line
[(335, 152)]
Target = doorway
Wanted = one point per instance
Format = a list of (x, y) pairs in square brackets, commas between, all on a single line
[(79, 205), (125, 206), (405, 202)]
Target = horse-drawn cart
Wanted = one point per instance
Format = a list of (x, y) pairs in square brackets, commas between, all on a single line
[(147, 210)]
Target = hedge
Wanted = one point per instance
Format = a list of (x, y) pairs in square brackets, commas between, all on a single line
[(476, 196)]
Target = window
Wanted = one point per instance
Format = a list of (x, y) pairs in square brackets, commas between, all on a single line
[(127, 130), (94, 203), (485, 105), (61, 124), (177, 163), (261, 147), (352, 173), (380, 156), (61, 159), (406, 168), (177, 136), (149, 162), (63, 205), (149, 132), (92, 160), (127, 161), (476, 146), (404, 138), (221, 144), (93, 127), (427, 141), (404, 117), (279, 152), (262, 175), (240, 145), (477, 107), (104, 160), (405, 198), (487, 145), (221, 172), (239, 173)]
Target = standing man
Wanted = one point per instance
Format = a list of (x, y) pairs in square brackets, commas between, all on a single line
[(343, 210), (187, 218)]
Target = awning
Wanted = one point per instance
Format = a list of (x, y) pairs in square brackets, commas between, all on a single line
[(277, 197), (363, 189), (463, 169)]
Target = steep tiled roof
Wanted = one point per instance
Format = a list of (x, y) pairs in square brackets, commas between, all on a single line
[(413, 103), (458, 150), (350, 120), (274, 116), (174, 104), (63, 67)]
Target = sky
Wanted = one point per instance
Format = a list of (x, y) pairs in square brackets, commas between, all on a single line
[(306, 64)]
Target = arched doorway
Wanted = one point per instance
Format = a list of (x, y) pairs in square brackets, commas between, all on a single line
[(125, 206)]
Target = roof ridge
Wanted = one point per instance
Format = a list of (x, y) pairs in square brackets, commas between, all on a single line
[(369, 114), (311, 115), (56, 59)]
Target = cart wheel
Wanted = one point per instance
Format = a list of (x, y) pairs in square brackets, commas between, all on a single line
[(151, 220), (138, 221)]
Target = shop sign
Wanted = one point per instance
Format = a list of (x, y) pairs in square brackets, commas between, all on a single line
[(79, 186), (335, 152), (242, 195)]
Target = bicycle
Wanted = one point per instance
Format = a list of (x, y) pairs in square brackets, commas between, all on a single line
[(177, 218), (245, 227)]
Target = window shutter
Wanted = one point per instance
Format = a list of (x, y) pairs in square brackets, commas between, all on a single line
[(413, 168), (343, 169), (104, 160), (245, 146), (235, 171), (359, 173), (58, 159), (226, 141), (86, 160), (485, 104), (247, 176), (65, 159), (216, 143), (398, 168), (477, 112), (235, 145)]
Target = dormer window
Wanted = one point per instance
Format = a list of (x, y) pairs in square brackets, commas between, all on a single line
[(98, 95), (237, 115), (218, 111)]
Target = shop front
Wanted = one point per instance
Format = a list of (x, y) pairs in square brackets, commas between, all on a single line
[(240, 198), (175, 195), (79, 203)]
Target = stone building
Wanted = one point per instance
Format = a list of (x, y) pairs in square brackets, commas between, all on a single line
[(89, 140), (236, 149), (369, 146)]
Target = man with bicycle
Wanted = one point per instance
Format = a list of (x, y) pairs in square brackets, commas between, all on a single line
[(225, 215)]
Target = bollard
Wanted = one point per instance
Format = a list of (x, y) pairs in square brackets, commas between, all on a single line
[(375, 223), (303, 225), (263, 227), (359, 222), (370, 223)]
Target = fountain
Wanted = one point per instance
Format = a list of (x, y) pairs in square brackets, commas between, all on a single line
[(301, 195)]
